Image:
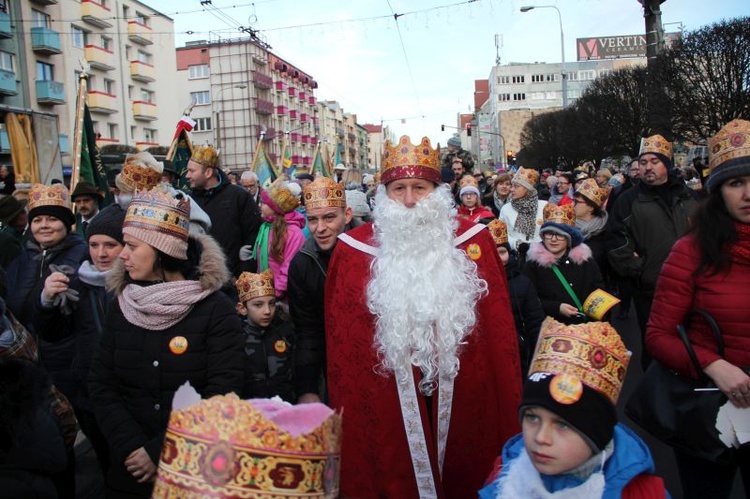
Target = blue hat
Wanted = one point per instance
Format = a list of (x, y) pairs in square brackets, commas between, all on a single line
[(572, 234)]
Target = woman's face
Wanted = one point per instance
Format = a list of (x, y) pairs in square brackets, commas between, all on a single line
[(48, 231), (555, 243), (503, 189), (517, 191), (583, 209), (266, 211), (139, 260), (103, 251), (736, 194)]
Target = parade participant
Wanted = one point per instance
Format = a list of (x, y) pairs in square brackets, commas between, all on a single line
[(420, 344), (269, 339), (602, 177), (327, 216), (571, 445), (561, 193), (709, 269), (470, 208), (455, 150), (86, 198), (168, 325), (500, 194), (250, 182), (591, 219), (13, 217), (523, 215)]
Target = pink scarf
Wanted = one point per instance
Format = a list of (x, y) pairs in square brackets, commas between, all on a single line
[(160, 306)]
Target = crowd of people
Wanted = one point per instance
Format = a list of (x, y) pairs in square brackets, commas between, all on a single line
[(442, 308)]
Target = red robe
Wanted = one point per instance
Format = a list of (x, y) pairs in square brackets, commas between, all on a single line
[(376, 460)]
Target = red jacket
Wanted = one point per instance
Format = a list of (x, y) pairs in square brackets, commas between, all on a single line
[(475, 214)]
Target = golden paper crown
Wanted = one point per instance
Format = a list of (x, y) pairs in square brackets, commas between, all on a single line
[(498, 231), (52, 195), (281, 198), (206, 156), (323, 192), (405, 160), (591, 191), (251, 285), (732, 142), (468, 180), (565, 215), (527, 175), (592, 352), (140, 172), (159, 219), (656, 144), (225, 447)]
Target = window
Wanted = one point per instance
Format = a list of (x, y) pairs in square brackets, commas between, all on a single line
[(519, 96), (518, 79), (141, 18), (202, 125), (147, 96), (537, 78), (125, 11), (604, 72), (112, 129), (199, 71), (109, 86), (144, 57), (133, 131), (503, 97), (39, 19), (128, 53), (589, 74), (574, 94), (78, 37), (6, 61), (201, 98), (44, 71), (149, 135), (552, 77), (131, 90), (503, 80), (106, 43), (551, 95), (573, 76), (536, 96)]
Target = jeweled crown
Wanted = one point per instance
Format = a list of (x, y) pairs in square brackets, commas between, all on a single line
[(564, 215), (732, 141), (140, 172), (406, 160), (591, 191), (160, 211), (324, 192), (48, 195), (281, 196), (498, 231), (251, 285), (528, 175), (468, 180), (656, 144), (206, 156)]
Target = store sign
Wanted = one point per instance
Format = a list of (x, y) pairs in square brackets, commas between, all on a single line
[(611, 47)]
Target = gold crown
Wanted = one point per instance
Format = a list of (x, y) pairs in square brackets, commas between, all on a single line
[(528, 175), (656, 144), (565, 215), (468, 180), (159, 219), (53, 195), (498, 231), (406, 160), (225, 447), (140, 172), (206, 156), (251, 285), (591, 191), (282, 199), (592, 352), (323, 192), (732, 141)]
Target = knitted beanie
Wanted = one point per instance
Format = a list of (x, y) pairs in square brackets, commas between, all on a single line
[(108, 222), (455, 141), (572, 234)]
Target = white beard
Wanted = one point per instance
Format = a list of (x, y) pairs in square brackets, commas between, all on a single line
[(423, 289)]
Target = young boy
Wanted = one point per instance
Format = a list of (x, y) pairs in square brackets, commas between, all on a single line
[(269, 339), (571, 445)]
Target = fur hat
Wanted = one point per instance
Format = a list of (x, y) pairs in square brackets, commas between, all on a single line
[(107, 222), (160, 219), (729, 153), (53, 201)]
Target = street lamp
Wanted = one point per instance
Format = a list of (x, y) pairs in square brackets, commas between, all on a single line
[(527, 8), (216, 113)]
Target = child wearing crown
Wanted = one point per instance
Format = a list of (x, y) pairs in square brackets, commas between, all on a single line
[(268, 339), (571, 445)]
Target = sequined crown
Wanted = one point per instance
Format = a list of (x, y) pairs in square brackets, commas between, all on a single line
[(159, 219), (468, 180), (140, 172), (282, 199), (656, 144), (498, 231), (52, 195), (206, 156), (406, 160), (565, 215), (732, 142), (251, 285), (591, 191), (528, 175), (323, 192), (592, 352)]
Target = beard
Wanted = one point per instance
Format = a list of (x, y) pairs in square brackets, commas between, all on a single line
[(423, 290)]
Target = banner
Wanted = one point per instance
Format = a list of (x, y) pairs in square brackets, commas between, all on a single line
[(180, 151), (263, 167), (319, 166), (91, 168)]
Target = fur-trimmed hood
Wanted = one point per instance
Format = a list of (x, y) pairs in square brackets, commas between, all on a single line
[(212, 267), (544, 257)]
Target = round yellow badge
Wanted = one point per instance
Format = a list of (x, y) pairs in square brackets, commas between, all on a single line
[(474, 251), (566, 389), (280, 346), (178, 345)]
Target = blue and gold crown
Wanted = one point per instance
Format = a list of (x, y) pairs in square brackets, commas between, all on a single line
[(406, 160)]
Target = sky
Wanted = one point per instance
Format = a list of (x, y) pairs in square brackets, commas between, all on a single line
[(417, 72)]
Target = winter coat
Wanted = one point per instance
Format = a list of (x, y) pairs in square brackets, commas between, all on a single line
[(10, 246), (509, 214), (527, 310), (268, 360), (294, 241), (135, 373), (678, 291), (577, 266), (478, 214)]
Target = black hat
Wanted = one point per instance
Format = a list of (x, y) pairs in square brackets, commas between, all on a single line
[(84, 188), (10, 208), (304, 176), (108, 222)]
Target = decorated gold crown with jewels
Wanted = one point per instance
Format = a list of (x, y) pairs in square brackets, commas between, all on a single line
[(527, 175), (251, 285), (52, 195), (406, 160), (565, 215), (732, 142), (140, 172), (656, 144), (498, 231), (324, 192), (160, 212), (226, 447), (282, 199), (206, 156), (591, 191), (468, 180), (592, 352)]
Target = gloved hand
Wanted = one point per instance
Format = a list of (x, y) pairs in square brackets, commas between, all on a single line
[(246, 253), (67, 299), (523, 248)]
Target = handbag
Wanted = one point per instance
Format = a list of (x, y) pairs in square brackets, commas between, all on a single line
[(681, 411)]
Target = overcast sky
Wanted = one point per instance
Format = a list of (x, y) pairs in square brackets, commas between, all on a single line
[(417, 72)]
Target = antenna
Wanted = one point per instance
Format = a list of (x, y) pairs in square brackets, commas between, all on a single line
[(498, 46)]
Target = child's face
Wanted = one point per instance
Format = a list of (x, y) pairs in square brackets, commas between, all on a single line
[(504, 255), (260, 311), (470, 200), (554, 447)]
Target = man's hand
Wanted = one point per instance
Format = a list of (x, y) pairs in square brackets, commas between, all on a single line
[(140, 465), (308, 398), (56, 283)]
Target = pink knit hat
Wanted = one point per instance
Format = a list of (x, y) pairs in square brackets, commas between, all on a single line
[(160, 219)]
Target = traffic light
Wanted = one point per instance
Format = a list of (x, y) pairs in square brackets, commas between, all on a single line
[(442, 128), (468, 129), (511, 158)]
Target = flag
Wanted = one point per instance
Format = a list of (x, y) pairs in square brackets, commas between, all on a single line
[(319, 166), (263, 167), (91, 168), (181, 150), (286, 162)]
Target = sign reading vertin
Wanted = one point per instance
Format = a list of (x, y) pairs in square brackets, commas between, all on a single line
[(611, 47)]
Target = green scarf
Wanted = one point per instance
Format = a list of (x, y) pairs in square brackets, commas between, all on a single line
[(260, 251)]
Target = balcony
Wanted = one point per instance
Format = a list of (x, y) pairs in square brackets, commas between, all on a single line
[(292, 91), (305, 139), (45, 41), (339, 132), (44, 2), (139, 33), (280, 85), (101, 141), (8, 84), (294, 137), (142, 146), (304, 117), (142, 71), (100, 58), (5, 29), (263, 107), (293, 114), (282, 110), (311, 100), (101, 102), (262, 81), (351, 137), (95, 14), (50, 92), (259, 59), (144, 111), (302, 96)]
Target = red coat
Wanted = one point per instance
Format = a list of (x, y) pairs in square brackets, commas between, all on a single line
[(376, 460), (725, 296), (475, 214)]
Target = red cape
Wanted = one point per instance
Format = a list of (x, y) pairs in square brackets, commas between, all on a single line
[(375, 460)]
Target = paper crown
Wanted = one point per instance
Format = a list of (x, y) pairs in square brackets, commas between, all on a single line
[(405, 160), (206, 156), (564, 215), (140, 172), (732, 142), (468, 180), (251, 285), (323, 192), (528, 176), (498, 231), (592, 352), (52, 195), (279, 197), (227, 447), (656, 144), (159, 219), (591, 191), (598, 303)]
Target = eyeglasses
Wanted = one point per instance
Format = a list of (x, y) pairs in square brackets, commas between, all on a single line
[(552, 236)]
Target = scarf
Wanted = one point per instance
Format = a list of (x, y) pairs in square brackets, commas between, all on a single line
[(499, 203), (593, 227), (740, 251), (526, 219), (160, 306), (89, 275), (260, 251)]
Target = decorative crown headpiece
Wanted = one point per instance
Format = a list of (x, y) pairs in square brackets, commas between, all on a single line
[(251, 285), (323, 192), (52, 195), (468, 180), (160, 219), (564, 215), (592, 352), (528, 176), (732, 142), (279, 197), (498, 231), (405, 160), (206, 156), (656, 144), (140, 172), (591, 191)]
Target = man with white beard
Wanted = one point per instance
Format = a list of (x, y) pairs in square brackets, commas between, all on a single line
[(421, 345)]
